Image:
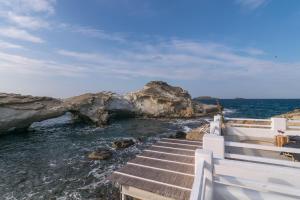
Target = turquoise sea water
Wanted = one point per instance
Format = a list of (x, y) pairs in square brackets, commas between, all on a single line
[(256, 108), (50, 161)]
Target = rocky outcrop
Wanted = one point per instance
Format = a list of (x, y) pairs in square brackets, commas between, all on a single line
[(19, 112), (295, 114), (205, 109), (99, 108), (159, 99)]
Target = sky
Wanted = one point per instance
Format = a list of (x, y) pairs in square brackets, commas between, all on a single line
[(226, 49)]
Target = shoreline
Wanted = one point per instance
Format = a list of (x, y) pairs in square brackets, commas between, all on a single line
[(71, 144)]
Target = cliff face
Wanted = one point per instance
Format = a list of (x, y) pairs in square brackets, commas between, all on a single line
[(19, 112), (157, 99)]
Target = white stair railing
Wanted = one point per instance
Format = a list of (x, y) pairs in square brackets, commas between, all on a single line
[(199, 181), (263, 148), (213, 157), (203, 181), (216, 125)]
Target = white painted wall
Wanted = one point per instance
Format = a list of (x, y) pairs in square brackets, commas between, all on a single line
[(244, 180), (264, 173), (215, 144), (225, 192), (249, 132)]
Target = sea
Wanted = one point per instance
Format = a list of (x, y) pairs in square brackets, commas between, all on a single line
[(49, 161)]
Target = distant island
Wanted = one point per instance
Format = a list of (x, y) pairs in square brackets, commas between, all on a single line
[(205, 98), (239, 98)]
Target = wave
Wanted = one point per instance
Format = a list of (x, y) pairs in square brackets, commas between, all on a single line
[(186, 129), (191, 121), (186, 125), (228, 111)]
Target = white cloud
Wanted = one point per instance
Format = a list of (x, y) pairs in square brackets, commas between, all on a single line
[(251, 4), (26, 21), (26, 65), (254, 51), (175, 60), (24, 14), (167, 60), (183, 60), (7, 45), (92, 32), (29, 6), (19, 34)]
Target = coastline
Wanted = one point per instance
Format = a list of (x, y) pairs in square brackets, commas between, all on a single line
[(156, 99), (60, 148)]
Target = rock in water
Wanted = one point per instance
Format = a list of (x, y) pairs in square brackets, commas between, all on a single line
[(19, 112), (156, 99), (159, 99), (100, 154), (99, 108), (198, 133), (121, 144), (179, 135)]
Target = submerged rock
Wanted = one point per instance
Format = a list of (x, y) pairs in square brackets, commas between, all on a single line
[(100, 154), (179, 135), (20, 111), (122, 144)]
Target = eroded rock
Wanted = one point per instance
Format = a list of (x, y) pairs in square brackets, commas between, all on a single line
[(20, 111), (159, 99), (99, 108)]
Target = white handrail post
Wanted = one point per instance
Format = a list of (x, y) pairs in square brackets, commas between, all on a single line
[(215, 144), (216, 125), (203, 181), (212, 127), (208, 175), (278, 124), (218, 118)]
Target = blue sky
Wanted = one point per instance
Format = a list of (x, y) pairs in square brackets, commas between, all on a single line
[(232, 48)]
